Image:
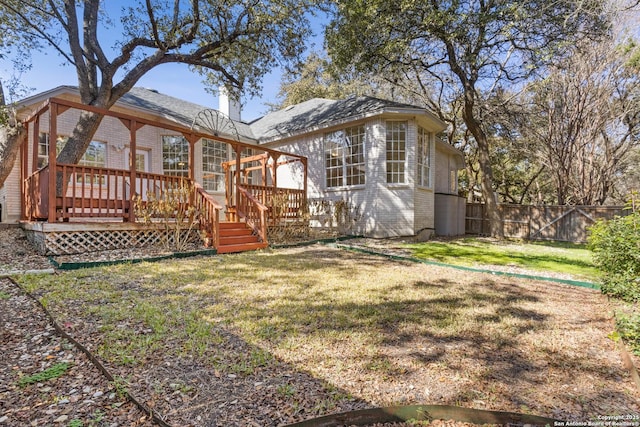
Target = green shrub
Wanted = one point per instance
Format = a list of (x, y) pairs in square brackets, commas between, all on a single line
[(629, 329), (616, 252)]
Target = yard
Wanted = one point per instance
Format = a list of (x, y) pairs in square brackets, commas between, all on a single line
[(283, 335), (559, 258)]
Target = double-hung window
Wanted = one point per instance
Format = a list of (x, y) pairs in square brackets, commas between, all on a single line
[(214, 154), (344, 157), (175, 155), (95, 155), (423, 158), (396, 152)]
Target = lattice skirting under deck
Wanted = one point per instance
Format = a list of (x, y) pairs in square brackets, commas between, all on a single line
[(57, 240)]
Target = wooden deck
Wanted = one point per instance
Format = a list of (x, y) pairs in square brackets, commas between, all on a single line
[(72, 195)]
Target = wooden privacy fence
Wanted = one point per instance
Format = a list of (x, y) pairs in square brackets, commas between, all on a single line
[(559, 223)]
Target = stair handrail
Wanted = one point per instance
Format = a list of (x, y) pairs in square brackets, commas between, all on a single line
[(246, 209), (210, 214)]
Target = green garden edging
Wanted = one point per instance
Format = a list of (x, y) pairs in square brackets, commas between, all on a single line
[(325, 241), (579, 283), (392, 414), (92, 264)]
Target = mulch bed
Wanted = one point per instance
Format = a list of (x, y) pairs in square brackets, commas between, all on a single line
[(30, 345)]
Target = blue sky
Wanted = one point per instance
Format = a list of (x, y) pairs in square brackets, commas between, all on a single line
[(49, 71)]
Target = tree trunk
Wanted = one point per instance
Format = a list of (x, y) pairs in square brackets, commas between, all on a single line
[(11, 135), (80, 138), (486, 181), (77, 144), (10, 141)]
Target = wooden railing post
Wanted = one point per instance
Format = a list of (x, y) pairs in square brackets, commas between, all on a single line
[(133, 131), (238, 150), (53, 139), (24, 156)]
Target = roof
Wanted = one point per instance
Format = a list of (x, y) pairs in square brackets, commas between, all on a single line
[(170, 107), (308, 116), (319, 112), (151, 101)]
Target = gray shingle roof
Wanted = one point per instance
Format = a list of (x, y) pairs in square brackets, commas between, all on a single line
[(319, 112), (177, 109), (296, 119)]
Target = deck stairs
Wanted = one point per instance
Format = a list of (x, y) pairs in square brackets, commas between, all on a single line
[(238, 237)]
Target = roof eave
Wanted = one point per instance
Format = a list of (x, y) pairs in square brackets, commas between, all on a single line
[(438, 125), (452, 150)]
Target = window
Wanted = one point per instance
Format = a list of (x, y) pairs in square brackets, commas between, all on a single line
[(396, 152), (214, 153), (142, 159), (95, 155), (175, 155), (423, 158), (344, 157)]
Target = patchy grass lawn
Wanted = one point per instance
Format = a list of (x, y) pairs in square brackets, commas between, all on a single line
[(279, 336), (556, 257)]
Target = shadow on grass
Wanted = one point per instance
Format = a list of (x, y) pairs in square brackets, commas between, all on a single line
[(362, 315)]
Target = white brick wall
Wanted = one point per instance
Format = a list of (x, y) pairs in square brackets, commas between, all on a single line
[(386, 210), (445, 163)]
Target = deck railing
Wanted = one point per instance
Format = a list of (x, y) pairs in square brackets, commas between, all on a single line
[(209, 215), (36, 194), (283, 203), (86, 191), (253, 212)]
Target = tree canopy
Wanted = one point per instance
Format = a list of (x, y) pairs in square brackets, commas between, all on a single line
[(465, 48), (232, 43)]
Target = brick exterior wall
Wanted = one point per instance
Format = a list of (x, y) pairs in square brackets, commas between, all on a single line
[(385, 210)]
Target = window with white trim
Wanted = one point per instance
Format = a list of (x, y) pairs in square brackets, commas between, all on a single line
[(423, 158), (214, 153), (396, 152), (344, 157), (95, 155), (175, 155)]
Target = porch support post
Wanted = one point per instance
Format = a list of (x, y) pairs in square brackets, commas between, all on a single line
[(192, 139), (133, 131), (275, 170), (305, 162), (263, 169), (53, 176), (24, 157), (238, 150), (35, 142)]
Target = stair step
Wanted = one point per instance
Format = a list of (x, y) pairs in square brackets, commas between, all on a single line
[(231, 232), (225, 249), (232, 225), (232, 240)]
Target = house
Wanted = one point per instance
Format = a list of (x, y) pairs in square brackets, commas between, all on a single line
[(380, 159)]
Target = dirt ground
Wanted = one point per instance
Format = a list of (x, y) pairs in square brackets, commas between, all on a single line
[(582, 379)]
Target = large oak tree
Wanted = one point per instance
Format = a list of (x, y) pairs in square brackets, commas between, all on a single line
[(230, 42), (469, 47)]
